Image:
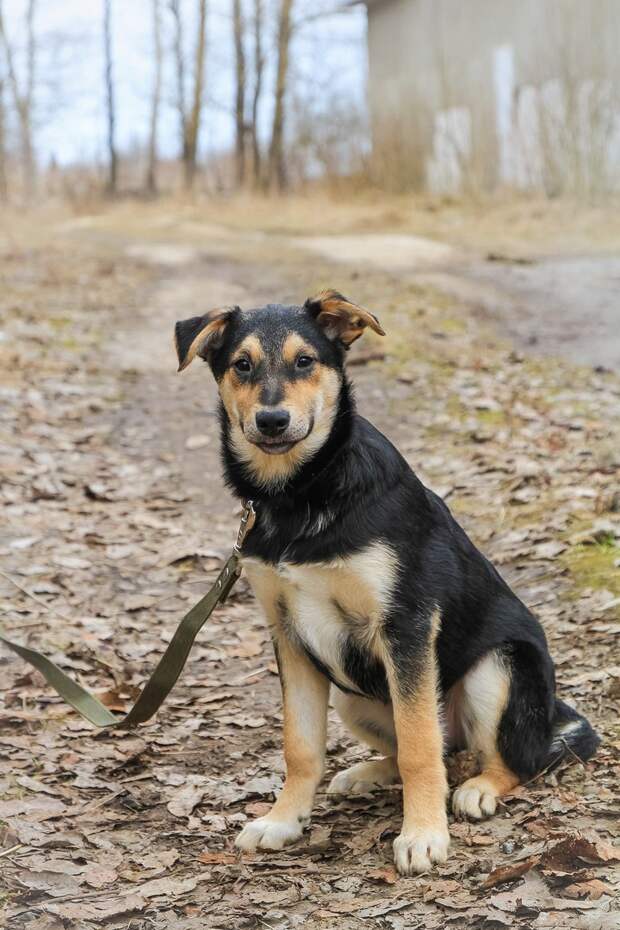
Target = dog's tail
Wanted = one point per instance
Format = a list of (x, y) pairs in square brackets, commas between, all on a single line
[(573, 736)]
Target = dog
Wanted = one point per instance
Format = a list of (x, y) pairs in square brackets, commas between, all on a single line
[(370, 585)]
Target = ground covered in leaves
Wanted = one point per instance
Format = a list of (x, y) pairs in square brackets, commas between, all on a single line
[(115, 521)]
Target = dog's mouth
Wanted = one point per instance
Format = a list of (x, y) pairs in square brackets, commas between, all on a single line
[(275, 446), (279, 445)]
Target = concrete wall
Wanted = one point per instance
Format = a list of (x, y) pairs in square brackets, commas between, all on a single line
[(488, 92)]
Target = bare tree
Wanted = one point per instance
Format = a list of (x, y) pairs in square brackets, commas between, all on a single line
[(259, 65), (4, 184), (240, 91), (195, 115), (112, 183), (179, 67), (23, 96), (151, 173), (277, 163)]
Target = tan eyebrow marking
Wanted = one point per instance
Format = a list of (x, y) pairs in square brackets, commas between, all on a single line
[(293, 346), (250, 346)]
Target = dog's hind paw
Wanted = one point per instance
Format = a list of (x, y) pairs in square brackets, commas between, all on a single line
[(474, 800), (364, 777), (417, 851), (265, 833)]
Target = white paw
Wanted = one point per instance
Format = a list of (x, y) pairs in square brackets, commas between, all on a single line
[(364, 777), (343, 783), (268, 834), (417, 851), (471, 801)]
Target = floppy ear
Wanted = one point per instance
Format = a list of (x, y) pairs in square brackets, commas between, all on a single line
[(342, 320), (199, 334)]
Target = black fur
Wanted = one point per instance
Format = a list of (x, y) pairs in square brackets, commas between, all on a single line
[(371, 494), (185, 331)]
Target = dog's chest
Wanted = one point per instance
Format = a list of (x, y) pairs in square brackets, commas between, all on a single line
[(332, 609)]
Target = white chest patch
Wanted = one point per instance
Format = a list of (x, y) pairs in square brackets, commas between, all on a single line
[(323, 604)]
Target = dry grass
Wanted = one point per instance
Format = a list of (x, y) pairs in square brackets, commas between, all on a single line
[(510, 224)]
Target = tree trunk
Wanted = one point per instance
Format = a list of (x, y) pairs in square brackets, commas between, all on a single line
[(193, 123), (23, 99), (112, 183), (151, 173), (240, 93), (179, 67), (259, 64), (4, 184), (277, 165), (27, 143)]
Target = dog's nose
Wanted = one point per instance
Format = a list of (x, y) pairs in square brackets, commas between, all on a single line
[(272, 422)]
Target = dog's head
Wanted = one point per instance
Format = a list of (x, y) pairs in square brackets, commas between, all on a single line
[(279, 372)]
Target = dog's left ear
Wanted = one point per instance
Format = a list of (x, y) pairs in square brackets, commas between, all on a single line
[(342, 320), (200, 334)]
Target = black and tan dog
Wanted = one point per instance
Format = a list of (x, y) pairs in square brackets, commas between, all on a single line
[(369, 583)]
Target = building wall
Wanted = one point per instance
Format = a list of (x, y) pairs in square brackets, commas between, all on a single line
[(488, 92)]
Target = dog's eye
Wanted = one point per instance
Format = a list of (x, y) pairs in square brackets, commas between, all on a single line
[(242, 365), (304, 361)]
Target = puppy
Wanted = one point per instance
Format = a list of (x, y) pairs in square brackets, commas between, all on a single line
[(368, 583)]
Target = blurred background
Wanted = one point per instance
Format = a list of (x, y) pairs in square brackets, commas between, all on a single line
[(454, 166), (220, 95)]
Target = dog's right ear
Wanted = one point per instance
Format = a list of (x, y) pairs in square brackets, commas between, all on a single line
[(200, 334)]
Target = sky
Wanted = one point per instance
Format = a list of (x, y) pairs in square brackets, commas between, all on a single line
[(328, 61)]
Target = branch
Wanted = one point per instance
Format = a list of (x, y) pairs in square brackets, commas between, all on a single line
[(318, 15)]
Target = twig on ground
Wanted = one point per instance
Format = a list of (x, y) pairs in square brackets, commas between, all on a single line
[(36, 599)]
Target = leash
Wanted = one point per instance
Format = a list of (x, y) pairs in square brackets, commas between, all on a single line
[(169, 667)]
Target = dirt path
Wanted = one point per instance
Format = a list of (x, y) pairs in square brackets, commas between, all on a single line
[(117, 519), (564, 305)]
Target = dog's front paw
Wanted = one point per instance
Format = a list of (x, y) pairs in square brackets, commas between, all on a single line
[(266, 833), (417, 850)]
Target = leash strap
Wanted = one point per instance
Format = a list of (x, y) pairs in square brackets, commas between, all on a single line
[(169, 667)]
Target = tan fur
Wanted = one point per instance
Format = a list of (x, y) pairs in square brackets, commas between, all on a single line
[(345, 319), (305, 696), (314, 397), (424, 837), (297, 600), (295, 345), (217, 320), (326, 600), (241, 400), (251, 346), (482, 697), (420, 748), (370, 720)]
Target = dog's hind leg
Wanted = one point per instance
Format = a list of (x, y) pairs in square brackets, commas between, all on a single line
[(484, 696), (510, 714), (373, 723)]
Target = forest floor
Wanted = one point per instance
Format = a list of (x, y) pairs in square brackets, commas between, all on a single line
[(116, 520)]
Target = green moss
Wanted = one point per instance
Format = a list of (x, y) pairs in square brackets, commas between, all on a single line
[(451, 325), (592, 566), (491, 417), (70, 343), (59, 322)]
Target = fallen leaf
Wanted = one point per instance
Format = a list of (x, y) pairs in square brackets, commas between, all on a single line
[(187, 798), (508, 873), (387, 876), (217, 857)]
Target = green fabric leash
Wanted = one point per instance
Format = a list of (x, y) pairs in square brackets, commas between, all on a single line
[(169, 667)]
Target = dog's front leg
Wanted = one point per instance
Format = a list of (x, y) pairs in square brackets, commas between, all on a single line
[(305, 693), (424, 838)]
